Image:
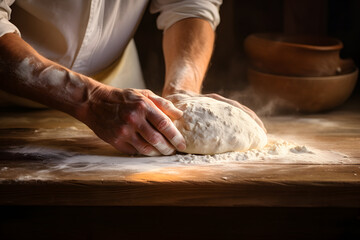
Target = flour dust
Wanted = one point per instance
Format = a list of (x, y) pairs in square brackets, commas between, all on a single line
[(277, 151)]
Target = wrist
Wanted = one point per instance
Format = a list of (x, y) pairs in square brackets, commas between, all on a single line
[(81, 104), (172, 89), (183, 76)]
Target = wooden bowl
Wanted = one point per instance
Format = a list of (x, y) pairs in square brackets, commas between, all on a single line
[(295, 55), (305, 94)]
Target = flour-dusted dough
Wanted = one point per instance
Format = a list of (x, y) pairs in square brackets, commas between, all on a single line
[(210, 126)]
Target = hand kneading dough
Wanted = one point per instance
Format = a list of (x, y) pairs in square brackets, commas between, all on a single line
[(210, 126)]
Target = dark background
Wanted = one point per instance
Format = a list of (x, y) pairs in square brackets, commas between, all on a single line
[(43, 222), (227, 72)]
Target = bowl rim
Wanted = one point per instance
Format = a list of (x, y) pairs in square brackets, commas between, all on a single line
[(354, 72), (270, 37)]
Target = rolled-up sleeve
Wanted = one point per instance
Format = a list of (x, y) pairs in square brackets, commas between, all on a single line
[(5, 25), (172, 11)]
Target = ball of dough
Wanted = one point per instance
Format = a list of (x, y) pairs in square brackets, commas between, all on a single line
[(210, 126)]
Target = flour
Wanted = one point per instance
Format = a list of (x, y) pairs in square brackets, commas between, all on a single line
[(182, 71), (89, 156), (54, 77), (69, 161), (75, 80), (300, 149), (65, 82), (210, 126), (25, 70), (277, 151)]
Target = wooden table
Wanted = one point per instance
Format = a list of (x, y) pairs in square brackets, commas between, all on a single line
[(34, 146), (49, 159)]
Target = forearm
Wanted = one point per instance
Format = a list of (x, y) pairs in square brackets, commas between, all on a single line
[(131, 120), (25, 73), (188, 46)]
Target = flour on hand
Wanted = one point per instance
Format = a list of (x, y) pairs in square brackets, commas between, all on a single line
[(210, 126)]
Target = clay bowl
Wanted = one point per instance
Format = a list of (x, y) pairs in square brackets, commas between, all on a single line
[(305, 94), (292, 55)]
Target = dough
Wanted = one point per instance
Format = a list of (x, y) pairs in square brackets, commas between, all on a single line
[(210, 126)]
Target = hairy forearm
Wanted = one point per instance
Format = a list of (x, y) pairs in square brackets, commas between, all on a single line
[(188, 46), (25, 73), (133, 121)]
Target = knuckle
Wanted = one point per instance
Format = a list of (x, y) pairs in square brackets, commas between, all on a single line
[(122, 147), (131, 118), (149, 92), (146, 149), (128, 92), (154, 139), (140, 105), (163, 124), (167, 104), (123, 132)]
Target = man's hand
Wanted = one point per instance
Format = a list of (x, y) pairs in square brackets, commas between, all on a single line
[(133, 121)]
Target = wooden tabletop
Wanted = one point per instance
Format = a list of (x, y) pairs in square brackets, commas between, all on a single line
[(48, 158)]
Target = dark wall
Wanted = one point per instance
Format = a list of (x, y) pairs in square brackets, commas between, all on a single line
[(344, 23), (338, 18)]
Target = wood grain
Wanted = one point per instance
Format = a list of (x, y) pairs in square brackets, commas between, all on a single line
[(246, 193), (39, 179)]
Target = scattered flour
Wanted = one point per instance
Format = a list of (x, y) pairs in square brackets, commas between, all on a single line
[(84, 154), (66, 162), (54, 77), (277, 151), (25, 70)]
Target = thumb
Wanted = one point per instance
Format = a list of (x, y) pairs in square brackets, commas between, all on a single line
[(166, 106)]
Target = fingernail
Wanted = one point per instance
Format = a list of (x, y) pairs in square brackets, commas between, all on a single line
[(178, 111), (179, 141), (164, 149), (153, 154), (181, 147)]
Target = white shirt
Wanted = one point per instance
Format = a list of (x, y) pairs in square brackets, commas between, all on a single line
[(88, 35)]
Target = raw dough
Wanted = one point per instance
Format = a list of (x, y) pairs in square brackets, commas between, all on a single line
[(210, 126)]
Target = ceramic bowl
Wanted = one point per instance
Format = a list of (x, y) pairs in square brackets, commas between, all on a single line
[(291, 55), (305, 94)]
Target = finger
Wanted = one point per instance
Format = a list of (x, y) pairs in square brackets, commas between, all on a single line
[(164, 125), (175, 98), (261, 124), (216, 96), (224, 99), (124, 147), (254, 116), (143, 147), (155, 139), (166, 106)]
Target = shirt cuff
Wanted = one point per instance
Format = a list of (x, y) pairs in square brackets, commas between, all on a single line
[(7, 27), (176, 10)]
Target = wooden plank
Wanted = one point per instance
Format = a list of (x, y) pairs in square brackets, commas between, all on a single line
[(29, 175), (249, 193)]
